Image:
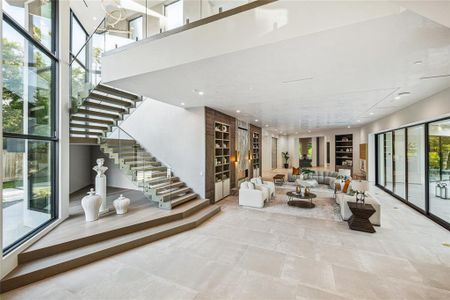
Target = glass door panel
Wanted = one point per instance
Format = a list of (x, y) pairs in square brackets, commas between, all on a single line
[(439, 169), (388, 161), (380, 160), (399, 163), (416, 166)]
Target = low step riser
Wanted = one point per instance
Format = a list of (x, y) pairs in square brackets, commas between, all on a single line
[(48, 251), (171, 205), (22, 280)]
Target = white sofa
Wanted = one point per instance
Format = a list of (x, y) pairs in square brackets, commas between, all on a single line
[(252, 196), (346, 213), (270, 186)]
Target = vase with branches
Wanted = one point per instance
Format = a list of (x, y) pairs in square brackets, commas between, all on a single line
[(286, 159)]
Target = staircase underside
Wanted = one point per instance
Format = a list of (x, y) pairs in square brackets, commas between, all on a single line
[(75, 243)]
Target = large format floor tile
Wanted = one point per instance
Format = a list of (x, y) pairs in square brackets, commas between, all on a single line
[(253, 254)]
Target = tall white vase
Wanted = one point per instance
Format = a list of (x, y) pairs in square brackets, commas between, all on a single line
[(91, 205), (100, 183)]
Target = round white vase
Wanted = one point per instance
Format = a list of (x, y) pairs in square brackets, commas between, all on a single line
[(91, 205), (121, 205)]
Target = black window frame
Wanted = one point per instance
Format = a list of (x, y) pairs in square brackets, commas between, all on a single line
[(54, 130), (129, 27), (426, 212)]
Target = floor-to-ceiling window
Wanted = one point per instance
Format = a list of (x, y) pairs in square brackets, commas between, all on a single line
[(439, 169), (174, 14), (136, 28), (29, 119), (399, 163), (416, 165), (402, 161)]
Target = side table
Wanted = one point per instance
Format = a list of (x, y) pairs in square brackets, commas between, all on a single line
[(360, 217)]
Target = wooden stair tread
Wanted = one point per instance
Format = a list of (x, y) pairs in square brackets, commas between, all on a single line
[(166, 184), (116, 92), (48, 266), (116, 109), (87, 126), (97, 113), (180, 198), (174, 192), (83, 140), (92, 120), (103, 98)]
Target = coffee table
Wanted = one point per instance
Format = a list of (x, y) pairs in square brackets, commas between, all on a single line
[(278, 179), (360, 217), (298, 199)]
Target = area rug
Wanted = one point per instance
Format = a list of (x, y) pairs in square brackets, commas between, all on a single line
[(326, 207)]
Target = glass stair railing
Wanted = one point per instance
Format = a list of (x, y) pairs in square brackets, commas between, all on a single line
[(149, 175)]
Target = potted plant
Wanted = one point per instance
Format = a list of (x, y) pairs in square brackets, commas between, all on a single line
[(286, 159)]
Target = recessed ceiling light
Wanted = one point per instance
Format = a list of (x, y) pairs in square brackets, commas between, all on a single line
[(238, 111), (371, 113), (182, 103), (256, 120), (397, 97), (94, 18), (359, 121), (267, 125), (418, 62), (348, 126), (309, 131), (201, 93)]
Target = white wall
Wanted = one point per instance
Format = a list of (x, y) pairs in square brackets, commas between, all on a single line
[(176, 136), (434, 107), (283, 146), (80, 167)]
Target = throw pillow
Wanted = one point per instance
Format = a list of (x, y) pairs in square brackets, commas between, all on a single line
[(295, 171), (346, 185)]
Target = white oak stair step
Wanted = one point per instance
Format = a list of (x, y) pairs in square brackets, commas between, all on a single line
[(110, 100), (177, 201), (48, 266), (87, 126), (167, 185), (97, 113), (115, 109), (92, 120), (152, 181), (119, 93)]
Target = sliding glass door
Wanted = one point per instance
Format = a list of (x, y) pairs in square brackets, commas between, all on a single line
[(405, 169), (399, 163), (439, 169), (416, 166)]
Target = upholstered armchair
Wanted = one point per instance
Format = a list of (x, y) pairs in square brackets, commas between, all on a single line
[(270, 186), (250, 196)]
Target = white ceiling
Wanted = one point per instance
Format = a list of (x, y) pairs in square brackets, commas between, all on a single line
[(339, 77)]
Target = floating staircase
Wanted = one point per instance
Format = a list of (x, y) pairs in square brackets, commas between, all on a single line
[(96, 121), (42, 261)]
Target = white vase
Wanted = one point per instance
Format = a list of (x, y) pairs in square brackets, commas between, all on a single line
[(91, 205), (121, 205)]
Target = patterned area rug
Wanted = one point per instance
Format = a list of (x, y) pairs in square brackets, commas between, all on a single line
[(326, 208)]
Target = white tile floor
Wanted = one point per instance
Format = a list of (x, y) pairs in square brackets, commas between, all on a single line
[(252, 254)]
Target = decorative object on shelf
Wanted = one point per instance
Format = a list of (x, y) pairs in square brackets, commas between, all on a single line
[(91, 205), (224, 128), (121, 205), (286, 159), (307, 191), (169, 172), (298, 189), (360, 187), (100, 183)]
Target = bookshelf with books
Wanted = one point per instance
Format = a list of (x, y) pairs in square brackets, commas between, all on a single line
[(344, 151), (222, 166)]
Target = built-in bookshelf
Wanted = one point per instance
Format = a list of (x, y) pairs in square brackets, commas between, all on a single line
[(222, 163), (344, 151), (256, 163)]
